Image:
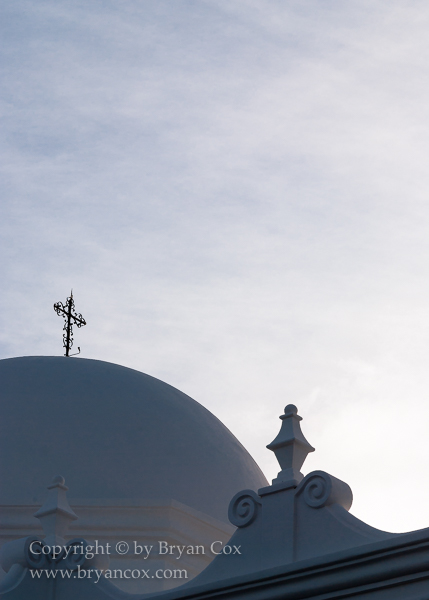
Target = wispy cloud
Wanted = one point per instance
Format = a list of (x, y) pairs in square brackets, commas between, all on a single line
[(237, 193)]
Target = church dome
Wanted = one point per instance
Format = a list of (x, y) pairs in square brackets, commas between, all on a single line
[(115, 434)]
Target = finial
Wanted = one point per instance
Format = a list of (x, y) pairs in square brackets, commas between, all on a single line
[(58, 479), (56, 515), (53, 551), (72, 318), (290, 447)]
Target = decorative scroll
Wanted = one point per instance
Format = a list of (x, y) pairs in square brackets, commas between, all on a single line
[(317, 491), (39, 555), (321, 489), (76, 554), (33, 554), (243, 508)]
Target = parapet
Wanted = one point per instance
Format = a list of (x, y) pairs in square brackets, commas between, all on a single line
[(294, 539)]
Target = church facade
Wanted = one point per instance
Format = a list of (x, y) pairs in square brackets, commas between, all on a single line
[(292, 539)]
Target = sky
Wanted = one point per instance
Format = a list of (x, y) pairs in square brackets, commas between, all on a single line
[(237, 192)]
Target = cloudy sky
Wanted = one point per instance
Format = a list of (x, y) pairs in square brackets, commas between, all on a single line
[(237, 191)]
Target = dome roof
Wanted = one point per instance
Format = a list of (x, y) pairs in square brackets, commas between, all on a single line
[(115, 434)]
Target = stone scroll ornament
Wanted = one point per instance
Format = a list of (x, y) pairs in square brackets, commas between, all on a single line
[(243, 508), (320, 489), (34, 553)]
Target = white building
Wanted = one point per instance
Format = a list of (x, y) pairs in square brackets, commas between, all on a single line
[(143, 462), (151, 465)]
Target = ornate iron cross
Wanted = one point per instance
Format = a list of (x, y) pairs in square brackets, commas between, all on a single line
[(72, 318)]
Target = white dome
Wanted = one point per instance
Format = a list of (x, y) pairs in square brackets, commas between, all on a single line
[(114, 434)]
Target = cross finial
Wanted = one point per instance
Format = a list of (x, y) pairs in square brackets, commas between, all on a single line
[(72, 318)]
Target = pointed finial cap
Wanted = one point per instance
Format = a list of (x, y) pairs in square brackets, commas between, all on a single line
[(290, 447), (56, 514)]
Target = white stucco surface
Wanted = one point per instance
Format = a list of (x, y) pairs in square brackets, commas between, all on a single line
[(115, 434)]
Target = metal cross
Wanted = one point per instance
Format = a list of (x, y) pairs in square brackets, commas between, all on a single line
[(72, 318)]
